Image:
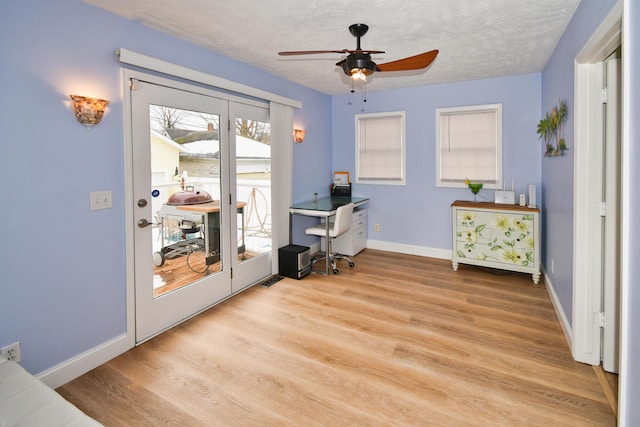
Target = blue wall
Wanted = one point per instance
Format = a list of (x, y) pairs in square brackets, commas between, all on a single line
[(62, 266), (557, 172), (419, 213), (557, 183), (630, 366)]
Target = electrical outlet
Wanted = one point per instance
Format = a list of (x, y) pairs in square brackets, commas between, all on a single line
[(376, 227), (12, 352), (552, 266)]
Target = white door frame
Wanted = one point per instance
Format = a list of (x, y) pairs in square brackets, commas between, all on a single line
[(587, 291), (281, 127), (612, 221)]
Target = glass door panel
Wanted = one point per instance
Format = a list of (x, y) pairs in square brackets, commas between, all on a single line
[(251, 143), (186, 188), (181, 240)]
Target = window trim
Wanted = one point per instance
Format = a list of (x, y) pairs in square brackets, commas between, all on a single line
[(402, 139), (440, 112)]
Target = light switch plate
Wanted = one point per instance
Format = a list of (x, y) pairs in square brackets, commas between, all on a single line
[(100, 200)]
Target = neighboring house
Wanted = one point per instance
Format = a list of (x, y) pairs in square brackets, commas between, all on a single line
[(202, 158), (165, 158)]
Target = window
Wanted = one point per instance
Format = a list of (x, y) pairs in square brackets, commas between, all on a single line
[(380, 148), (469, 145)]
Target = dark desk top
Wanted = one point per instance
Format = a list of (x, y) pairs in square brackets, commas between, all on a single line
[(329, 204)]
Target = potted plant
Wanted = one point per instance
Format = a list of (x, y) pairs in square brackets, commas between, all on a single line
[(546, 134), (550, 130)]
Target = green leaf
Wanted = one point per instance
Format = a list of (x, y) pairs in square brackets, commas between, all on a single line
[(480, 228)]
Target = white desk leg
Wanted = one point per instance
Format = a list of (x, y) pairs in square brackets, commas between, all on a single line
[(290, 227), (326, 259)]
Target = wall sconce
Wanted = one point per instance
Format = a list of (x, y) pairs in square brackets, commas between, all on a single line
[(298, 135), (88, 111)]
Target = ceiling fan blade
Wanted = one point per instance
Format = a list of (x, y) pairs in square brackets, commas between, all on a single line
[(416, 62), (313, 52)]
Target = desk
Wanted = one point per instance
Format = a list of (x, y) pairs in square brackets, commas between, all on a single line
[(323, 208)]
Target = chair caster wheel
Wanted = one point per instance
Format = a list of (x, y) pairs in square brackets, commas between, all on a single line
[(335, 271), (351, 264)]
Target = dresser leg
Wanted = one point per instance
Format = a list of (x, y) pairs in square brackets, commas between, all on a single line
[(454, 265), (536, 278)]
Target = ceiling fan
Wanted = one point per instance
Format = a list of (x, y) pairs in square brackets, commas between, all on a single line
[(358, 64)]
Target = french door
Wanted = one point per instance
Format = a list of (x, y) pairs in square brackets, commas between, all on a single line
[(201, 201), (611, 189)]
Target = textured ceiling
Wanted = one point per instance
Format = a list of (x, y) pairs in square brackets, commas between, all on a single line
[(477, 39)]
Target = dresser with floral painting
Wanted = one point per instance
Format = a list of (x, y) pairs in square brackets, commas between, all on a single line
[(496, 236)]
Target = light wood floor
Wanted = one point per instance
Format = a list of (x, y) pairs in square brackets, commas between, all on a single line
[(396, 341), (175, 273)]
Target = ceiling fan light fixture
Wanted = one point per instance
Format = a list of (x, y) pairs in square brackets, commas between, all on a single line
[(358, 65), (360, 74)]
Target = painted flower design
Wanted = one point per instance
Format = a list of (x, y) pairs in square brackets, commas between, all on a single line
[(467, 217), (502, 222), (470, 236), (521, 225), (530, 243), (512, 255)]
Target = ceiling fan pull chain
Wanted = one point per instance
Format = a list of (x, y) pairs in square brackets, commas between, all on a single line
[(350, 92), (364, 94)]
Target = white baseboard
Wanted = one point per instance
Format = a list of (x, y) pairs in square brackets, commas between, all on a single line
[(316, 247), (562, 318), (70, 369), (409, 249)]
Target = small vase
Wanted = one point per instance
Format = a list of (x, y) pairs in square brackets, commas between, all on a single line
[(475, 189)]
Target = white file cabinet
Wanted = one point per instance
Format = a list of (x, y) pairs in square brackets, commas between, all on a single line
[(355, 239)]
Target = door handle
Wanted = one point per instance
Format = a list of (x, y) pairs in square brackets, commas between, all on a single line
[(144, 223)]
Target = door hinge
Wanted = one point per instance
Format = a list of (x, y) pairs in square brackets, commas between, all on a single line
[(229, 199), (603, 95), (601, 208), (231, 270), (133, 84), (229, 125), (599, 319)]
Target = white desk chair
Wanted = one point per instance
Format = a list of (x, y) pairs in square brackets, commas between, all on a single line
[(341, 225)]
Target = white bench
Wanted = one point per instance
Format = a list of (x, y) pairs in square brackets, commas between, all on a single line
[(27, 401)]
